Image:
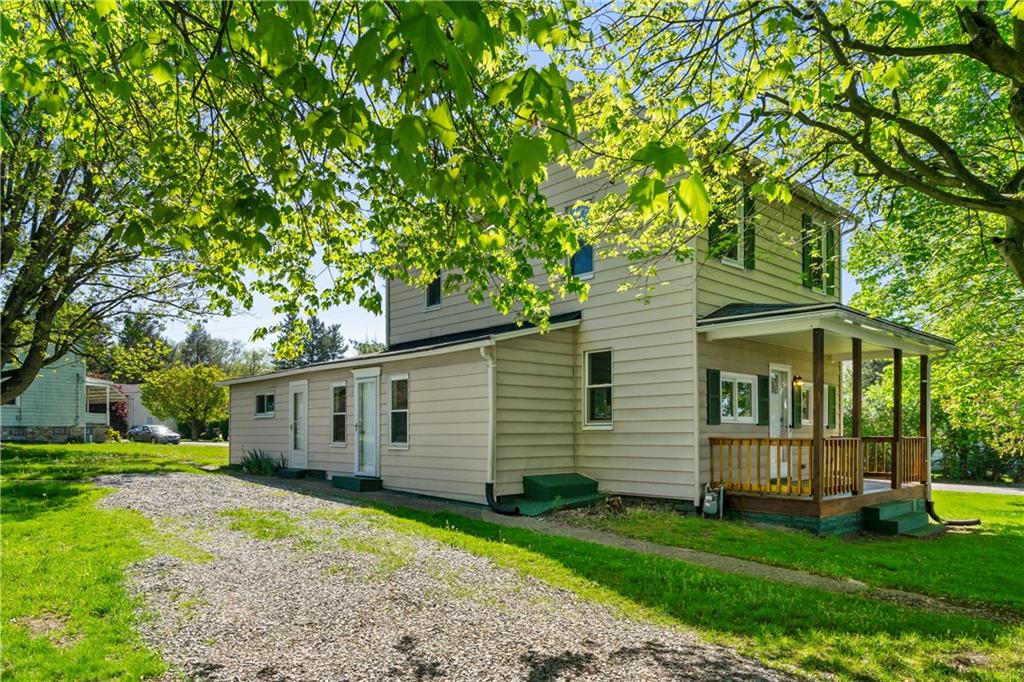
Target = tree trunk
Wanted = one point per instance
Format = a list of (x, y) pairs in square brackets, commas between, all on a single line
[(1011, 246), (194, 428)]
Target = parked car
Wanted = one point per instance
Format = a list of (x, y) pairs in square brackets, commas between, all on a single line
[(153, 433)]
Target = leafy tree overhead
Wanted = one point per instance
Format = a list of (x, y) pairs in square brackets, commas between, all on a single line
[(188, 395), (860, 99), (237, 143)]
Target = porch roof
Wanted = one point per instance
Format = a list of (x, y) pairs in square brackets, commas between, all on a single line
[(786, 324)]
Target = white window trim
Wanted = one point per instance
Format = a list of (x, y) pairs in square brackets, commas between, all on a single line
[(426, 298), (587, 424), (736, 378), (822, 229), (339, 443), (741, 229), (265, 415), (17, 403), (392, 378), (809, 402)]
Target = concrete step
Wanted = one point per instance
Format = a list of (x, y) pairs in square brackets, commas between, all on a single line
[(553, 486), (898, 525), (291, 472), (529, 506), (357, 484)]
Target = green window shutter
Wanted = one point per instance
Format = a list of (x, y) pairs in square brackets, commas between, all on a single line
[(749, 245), (807, 244), (831, 260), (714, 390), (796, 408), (831, 416), (762, 399)]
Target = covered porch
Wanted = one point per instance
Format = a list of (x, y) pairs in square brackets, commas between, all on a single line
[(819, 475)]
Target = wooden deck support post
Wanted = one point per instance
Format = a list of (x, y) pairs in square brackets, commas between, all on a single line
[(924, 427), (855, 410), (897, 415), (818, 418)]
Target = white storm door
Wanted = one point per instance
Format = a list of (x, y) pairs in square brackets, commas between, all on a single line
[(298, 411), (778, 415), (367, 425)]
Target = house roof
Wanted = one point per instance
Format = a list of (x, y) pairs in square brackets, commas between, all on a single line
[(744, 320), (444, 343)]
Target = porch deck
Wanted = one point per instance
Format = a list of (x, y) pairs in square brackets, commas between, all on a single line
[(779, 475)]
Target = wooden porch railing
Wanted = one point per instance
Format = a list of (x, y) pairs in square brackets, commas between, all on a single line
[(784, 466), (913, 458)]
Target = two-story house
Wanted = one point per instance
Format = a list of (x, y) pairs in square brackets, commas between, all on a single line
[(729, 375)]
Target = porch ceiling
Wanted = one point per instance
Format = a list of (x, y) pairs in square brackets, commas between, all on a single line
[(789, 326)]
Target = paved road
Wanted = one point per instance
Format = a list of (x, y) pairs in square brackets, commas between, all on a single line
[(211, 443), (979, 488)]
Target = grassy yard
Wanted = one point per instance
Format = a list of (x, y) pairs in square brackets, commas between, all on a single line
[(974, 565), (66, 614)]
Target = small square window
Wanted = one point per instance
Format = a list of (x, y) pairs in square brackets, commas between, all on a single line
[(264, 404)]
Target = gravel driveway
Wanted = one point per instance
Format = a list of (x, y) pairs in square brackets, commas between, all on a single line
[(317, 589)]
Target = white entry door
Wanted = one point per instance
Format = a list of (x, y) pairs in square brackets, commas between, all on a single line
[(298, 411), (778, 415), (367, 425)]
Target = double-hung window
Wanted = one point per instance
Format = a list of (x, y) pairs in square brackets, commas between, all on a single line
[(820, 257), (399, 404), (264, 404), (739, 398), (598, 396), (339, 413), (731, 237)]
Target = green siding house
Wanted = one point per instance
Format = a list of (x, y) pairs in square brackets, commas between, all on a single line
[(62, 404)]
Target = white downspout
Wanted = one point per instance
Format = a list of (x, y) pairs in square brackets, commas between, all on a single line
[(492, 410)]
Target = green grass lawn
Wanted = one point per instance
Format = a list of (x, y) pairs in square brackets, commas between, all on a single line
[(979, 565), (66, 614)]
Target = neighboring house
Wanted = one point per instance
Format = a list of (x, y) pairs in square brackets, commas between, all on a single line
[(62, 404), (138, 415), (729, 375)]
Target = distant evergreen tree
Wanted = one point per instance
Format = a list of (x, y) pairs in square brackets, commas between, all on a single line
[(367, 346), (320, 343)]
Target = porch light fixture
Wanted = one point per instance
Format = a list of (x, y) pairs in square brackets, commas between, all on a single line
[(798, 381)]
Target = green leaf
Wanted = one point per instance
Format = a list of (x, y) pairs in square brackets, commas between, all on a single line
[(105, 7), (162, 72), (364, 54), (663, 159), (440, 118), (409, 134), (276, 37), (692, 194), (301, 12), (528, 155)]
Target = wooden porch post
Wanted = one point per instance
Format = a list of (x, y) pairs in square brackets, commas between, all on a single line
[(818, 418), (897, 415), (924, 427), (855, 409)]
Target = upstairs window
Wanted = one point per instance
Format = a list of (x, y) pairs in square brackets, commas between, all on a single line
[(434, 294), (265, 405), (820, 257), (399, 402), (731, 236), (581, 264), (598, 366)]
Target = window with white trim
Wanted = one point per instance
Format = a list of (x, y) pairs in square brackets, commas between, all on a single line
[(732, 242), (264, 404), (398, 400), (339, 413), (739, 398), (598, 367), (433, 295), (806, 405)]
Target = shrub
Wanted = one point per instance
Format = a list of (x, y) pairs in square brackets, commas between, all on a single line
[(261, 463), (113, 435)]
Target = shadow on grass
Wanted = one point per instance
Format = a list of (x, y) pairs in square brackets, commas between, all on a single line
[(845, 635), (76, 462), (24, 500)]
